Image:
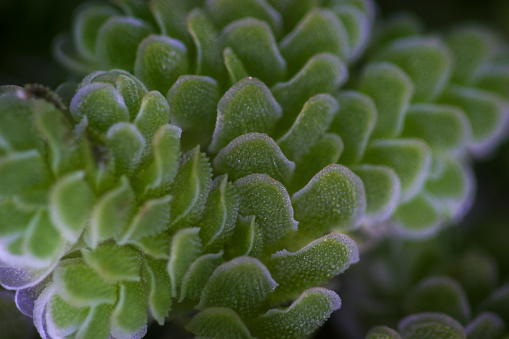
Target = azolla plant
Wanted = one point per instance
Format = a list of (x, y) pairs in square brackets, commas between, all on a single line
[(198, 169)]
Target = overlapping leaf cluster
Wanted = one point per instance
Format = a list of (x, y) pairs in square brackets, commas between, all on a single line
[(103, 219), (464, 280)]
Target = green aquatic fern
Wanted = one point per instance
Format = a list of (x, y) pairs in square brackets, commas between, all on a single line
[(198, 169)]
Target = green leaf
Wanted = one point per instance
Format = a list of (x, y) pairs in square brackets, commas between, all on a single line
[(333, 199), (65, 53), (486, 111), (301, 318), (439, 294), (225, 11), (382, 332), (311, 265), (493, 77), (497, 302), (154, 112), (357, 25), (209, 59), (485, 326), (185, 248), (158, 172), (426, 60), (129, 317), (221, 209), (21, 171), (158, 280), (190, 189), (234, 66), (114, 263), (242, 284), (127, 145), (398, 26), (193, 100), (66, 148), (86, 26), (101, 104), (391, 90), (268, 200), (157, 246), (454, 187), (383, 189), (151, 218), (318, 32), (254, 44), (42, 240), (198, 274), (111, 214), (293, 10), (118, 40), (160, 61), (130, 88), (323, 73), (354, 122), (80, 286), (325, 151), (254, 153), (430, 325), (247, 239), (170, 16), (63, 318), (311, 124), (17, 132), (441, 127), (97, 323), (471, 47), (14, 220), (410, 159), (218, 322), (70, 203), (248, 106), (418, 218)]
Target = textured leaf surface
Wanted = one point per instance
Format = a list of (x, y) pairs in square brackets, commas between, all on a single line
[(410, 159), (254, 153), (311, 124), (382, 332), (304, 315), (246, 107), (111, 213), (323, 73), (71, 201), (118, 40), (190, 189), (383, 189), (114, 263), (206, 324), (127, 145), (354, 122), (184, 250), (101, 103), (20, 171), (268, 200), (334, 198), (430, 325), (159, 297), (319, 31), (392, 101), (153, 113), (313, 264), (130, 314), (441, 127), (221, 209), (198, 274), (247, 239), (160, 61), (81, 286), (254, 43), (427, 61), (242, 284), (419, 217)]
